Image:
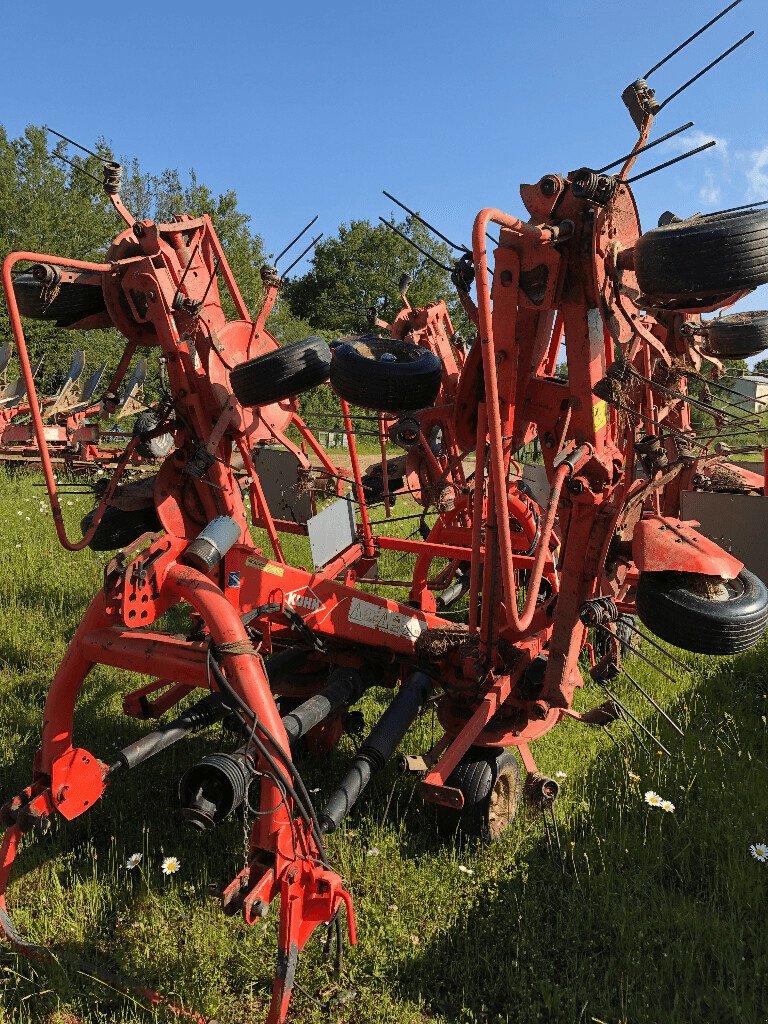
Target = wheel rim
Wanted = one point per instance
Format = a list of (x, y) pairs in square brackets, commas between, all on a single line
[(503, 802)]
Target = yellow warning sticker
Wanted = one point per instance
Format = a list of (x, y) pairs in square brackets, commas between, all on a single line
[(265, 566), (599, 415)]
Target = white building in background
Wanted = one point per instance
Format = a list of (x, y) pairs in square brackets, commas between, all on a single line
[(754, 388)]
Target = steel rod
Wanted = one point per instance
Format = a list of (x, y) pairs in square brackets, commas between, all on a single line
[(301, 255), (636, 720), (73, 143), (291, 244), (690, 39), (410, 241), (669, 163), (460, 248), (646, 147), (650, 700), (703, 71)]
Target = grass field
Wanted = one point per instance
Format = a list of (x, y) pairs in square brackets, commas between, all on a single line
[(658, 918)]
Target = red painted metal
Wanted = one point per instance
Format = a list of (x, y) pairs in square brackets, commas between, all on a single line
[(567, 274)]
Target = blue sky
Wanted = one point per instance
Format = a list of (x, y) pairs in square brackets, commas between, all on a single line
[(307, 108)]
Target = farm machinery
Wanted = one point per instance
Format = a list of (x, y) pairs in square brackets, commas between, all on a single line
[(287, 650), (77, 440)]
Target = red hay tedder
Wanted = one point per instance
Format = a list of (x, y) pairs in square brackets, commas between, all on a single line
[(289, 650)]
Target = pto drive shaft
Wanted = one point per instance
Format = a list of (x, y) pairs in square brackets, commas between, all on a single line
[(378, 748)]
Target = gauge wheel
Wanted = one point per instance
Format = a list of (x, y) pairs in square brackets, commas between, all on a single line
[(705, 614), (489, 779)]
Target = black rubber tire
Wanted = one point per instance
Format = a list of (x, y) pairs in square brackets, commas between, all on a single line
[(151, 447), (281, 374), (672, 605), (717, 254), (386, 374), (737, 336), (476, 775), (373, 489), (118, 528), (73, 301)]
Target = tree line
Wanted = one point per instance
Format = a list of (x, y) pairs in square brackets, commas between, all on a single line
[(48, 205)]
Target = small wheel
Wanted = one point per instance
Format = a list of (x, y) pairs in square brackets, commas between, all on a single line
[(717, 254), (65, 303), (386, 374), (373, 489), (151, 447), (119, 528), (705, 614), (737, 336), (490, 782), (281, 374)]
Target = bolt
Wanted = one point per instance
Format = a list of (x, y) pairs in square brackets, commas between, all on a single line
[(549, 185), (575, 486), (506, 277), (549, 441)]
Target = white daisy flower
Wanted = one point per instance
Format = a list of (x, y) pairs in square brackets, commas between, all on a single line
[(133, 861), (561, 775), (170, 865), (465, 871), (668, 806), (373, 852), (19, 513), (759, 851), (653, 799)]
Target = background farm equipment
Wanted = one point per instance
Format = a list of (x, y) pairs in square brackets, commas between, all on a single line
[(288, 651), (73, 421)]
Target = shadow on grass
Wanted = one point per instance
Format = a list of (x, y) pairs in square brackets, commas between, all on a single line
[(657, 916)]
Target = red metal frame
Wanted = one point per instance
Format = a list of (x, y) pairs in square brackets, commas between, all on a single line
[(567, 273)]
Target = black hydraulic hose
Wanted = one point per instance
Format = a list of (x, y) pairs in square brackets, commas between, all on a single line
[(303, 801), (377, 749)]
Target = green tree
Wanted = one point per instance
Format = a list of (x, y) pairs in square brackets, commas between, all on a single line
[(48, 206), (361, 267)]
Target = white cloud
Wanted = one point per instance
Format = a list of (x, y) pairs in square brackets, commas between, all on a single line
[(757, 175), (694, 138), (710, 192)]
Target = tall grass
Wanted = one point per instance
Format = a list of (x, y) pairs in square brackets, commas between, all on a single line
[(656, 918)]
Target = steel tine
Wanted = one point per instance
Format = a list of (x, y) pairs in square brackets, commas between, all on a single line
[(295, 240), (640, 654), (674, 160), (636, 720), (301, 255), (550, 844), (76, 167), (460, 248), (613, 739), (703, 71), (647, 146), (557, 837), (418, 248), (690, 39), (650, 699), (635, 736), (658, 646), (73, 143)]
